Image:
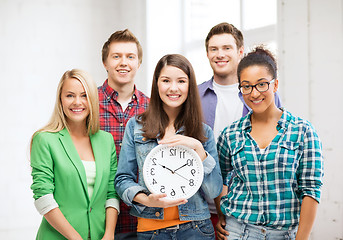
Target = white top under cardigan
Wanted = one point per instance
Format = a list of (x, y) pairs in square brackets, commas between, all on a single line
[(47, 202)]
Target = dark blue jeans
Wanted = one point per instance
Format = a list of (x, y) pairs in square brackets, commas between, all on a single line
[(193, 230)]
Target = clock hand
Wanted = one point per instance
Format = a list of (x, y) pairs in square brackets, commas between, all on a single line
[(181, 176), (180, 167), (167, 168)]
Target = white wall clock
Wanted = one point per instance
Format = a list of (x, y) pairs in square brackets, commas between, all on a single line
[(176, 171)]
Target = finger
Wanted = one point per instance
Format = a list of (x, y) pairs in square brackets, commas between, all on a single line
[(176, 202), (157, 196), (220, 235), (169, 141), (222, 230)]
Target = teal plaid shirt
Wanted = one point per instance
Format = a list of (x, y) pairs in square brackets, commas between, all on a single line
[(268, 186)]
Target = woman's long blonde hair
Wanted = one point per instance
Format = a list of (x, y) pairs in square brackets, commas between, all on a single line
[(58, 120)]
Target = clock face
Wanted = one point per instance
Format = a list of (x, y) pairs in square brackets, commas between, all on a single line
[(176, 171)]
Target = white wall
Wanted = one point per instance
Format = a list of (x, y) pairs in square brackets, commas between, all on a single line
[(310, 35), (39, 41)]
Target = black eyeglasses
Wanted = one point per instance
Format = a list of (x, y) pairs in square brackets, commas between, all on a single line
[(261, 87)]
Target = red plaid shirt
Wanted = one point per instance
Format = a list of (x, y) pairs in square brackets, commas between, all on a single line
[(113, 120)]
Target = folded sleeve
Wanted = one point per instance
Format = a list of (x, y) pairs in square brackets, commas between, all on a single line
[(45, 204), (42, 166)]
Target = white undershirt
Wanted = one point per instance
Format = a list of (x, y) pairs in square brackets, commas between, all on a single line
[(229, 106), (229, 109), (125, 104), (90, 174)]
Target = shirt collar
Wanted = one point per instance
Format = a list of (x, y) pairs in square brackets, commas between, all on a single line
[(285, 119), (283, 122), (208, 86), (111, 93)]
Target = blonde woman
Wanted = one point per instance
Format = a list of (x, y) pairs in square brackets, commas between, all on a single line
[(74, 165)]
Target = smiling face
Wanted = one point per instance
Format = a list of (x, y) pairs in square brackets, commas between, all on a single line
[(257, 101), (74, 101), (172, 88), (223, 54), (122, 63)]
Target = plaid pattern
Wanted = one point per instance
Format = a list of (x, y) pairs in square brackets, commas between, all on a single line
[(113, 120), (268, 186)]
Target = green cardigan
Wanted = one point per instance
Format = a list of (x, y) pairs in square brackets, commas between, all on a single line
[(57, 169)]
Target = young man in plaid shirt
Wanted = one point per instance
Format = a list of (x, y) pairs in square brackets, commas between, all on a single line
[(120, 100)]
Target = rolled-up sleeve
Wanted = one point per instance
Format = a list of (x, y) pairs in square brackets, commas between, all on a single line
[(45, 204), (311, 166), (42, 167)]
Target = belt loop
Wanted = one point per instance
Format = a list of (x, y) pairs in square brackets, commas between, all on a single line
[(243, 227), (194, 224)]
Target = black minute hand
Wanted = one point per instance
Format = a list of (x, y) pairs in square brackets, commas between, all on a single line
[(167, 168), (180, 167)]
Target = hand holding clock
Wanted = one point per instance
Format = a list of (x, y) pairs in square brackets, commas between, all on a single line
[(158, 200), (185, 141)]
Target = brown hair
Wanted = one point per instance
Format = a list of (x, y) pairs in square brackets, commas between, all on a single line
[(155, 119), (122, 36), (222, 28)]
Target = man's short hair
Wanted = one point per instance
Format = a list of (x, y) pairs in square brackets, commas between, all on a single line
[(122, 36), (225, 27)]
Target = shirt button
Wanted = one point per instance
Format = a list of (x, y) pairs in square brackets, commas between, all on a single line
[(108, 98), (90, 210), (143, 139), (119, 144), (121, 124), (157, 214), (130, 107)]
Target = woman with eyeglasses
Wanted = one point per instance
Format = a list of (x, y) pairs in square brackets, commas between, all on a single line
[(277, 160)]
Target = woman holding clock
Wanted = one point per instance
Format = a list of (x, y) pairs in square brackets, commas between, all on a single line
[(172, 121)]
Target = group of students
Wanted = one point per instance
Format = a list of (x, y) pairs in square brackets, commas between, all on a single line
[(263, 167)]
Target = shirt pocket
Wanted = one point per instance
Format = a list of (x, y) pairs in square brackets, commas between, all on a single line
[(289, 153), (239, 162), (143, 147)]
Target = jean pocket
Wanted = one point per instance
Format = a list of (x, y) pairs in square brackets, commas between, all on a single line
[(205, 227), (148, 235)]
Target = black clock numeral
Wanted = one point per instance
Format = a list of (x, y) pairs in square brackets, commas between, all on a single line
[(152, 171), (191, 182), (153, 161), (154, 181), (193, 172), (190, 162), (182, 187), (161, 154), (172, 193), (182, 154), (162, 189), (172, 152)]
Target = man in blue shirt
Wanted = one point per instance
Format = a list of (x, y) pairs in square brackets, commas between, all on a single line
[(221, 100)]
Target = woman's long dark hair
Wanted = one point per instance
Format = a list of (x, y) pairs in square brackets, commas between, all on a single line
[(155, 120)]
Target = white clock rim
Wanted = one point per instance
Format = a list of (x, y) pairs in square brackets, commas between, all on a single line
[(197, 158)]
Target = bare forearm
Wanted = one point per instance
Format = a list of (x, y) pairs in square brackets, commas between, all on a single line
[(111, 221), (217, 199), (307, 216), (57, 220)]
